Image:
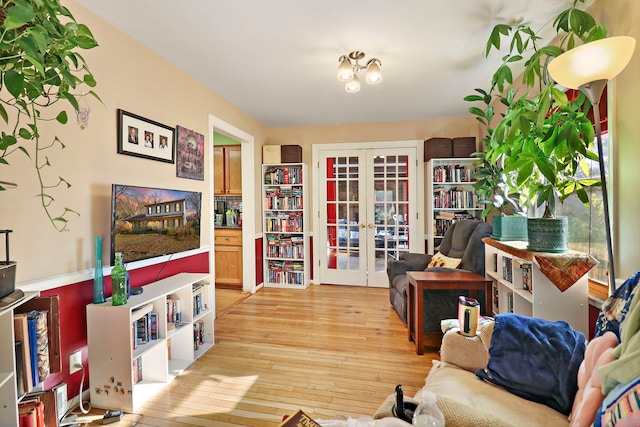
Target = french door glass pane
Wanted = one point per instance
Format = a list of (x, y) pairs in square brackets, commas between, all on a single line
[(343, 213), (391, 207)]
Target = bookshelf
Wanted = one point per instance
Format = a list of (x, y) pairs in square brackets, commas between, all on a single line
[(129, 366), (519, 286), (450, 196), (10, 394), (286, 236)]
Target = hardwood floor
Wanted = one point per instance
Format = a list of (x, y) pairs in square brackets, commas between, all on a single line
[(227, 299), (330, 350)]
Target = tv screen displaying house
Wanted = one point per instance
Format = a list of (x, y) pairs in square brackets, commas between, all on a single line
[(147, 222)]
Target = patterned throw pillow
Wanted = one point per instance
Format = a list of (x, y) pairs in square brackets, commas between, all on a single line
[(439, 260), (621, 407)]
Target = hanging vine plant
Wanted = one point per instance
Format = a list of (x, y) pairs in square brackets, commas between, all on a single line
[(39, 67)]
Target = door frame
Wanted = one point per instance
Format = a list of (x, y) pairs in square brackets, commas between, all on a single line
[(318, 204), (248, 201)]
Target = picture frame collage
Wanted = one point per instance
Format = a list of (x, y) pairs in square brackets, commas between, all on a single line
[(148, 139)]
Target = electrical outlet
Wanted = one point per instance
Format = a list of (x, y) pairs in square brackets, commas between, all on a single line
[(75, 361)]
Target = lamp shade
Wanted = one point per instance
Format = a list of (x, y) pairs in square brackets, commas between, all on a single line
[(353, 85), (599, 60), (373, 76), (345, 69)]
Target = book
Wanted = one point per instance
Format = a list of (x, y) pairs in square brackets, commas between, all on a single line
[(31, 413), (153, 325), (50, 401), (142, 336), (299, 418), (136, 368), (20, 384), (42, 342), (33, 351), (27, 417), (21, 331)]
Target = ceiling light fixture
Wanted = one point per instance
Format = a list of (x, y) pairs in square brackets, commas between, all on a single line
[(350, 67), (589, 68)]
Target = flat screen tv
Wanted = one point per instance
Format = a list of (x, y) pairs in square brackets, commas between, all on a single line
[(147, 222)]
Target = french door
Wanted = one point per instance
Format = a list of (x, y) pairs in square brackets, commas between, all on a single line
[(369, 215)]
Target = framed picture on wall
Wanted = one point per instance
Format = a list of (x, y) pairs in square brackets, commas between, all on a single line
[(190, 154), (145, 138)]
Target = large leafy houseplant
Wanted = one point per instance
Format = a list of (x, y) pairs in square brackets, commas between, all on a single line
[(40, 66), (543, 138)]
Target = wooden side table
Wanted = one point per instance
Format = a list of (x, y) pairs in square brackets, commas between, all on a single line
[(419, 281)]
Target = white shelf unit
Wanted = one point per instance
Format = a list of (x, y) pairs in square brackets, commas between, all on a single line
[(545, 300), (110, 337), (450, 191), (9, 397), (286, 236)]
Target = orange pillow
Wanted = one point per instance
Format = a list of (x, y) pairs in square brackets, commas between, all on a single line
[(439, 260)]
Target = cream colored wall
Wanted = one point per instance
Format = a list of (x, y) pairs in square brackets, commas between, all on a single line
[(621, 18), (132, 78)]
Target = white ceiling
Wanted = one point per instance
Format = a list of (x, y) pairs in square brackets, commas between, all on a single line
[(277, 59)]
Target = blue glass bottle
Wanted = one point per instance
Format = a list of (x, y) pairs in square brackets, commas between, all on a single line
[(118, 282)]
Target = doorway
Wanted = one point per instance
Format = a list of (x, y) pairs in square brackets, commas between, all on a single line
[(368, 212), (217, 125)]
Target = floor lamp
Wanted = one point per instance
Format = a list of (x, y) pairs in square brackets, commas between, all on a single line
[(589, 68)]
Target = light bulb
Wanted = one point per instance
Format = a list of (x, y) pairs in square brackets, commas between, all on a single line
[(353, 85)]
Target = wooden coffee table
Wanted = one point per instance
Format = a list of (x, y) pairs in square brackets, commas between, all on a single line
[(419, 281)]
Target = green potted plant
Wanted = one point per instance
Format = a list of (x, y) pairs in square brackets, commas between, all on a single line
[(494, 189), (40, 66), (542, 138)]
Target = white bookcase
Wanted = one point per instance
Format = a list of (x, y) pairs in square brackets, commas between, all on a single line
[(286, 236), (9, 398), (115, 362), (450, 196), (520, 287)]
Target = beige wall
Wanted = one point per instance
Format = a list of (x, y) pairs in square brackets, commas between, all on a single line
[(621, 18), (132, 78)]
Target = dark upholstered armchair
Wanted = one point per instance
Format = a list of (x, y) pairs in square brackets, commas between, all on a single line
[(462, 240)]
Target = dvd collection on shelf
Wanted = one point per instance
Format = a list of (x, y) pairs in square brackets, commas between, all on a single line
[(452, 173), (283, 175)]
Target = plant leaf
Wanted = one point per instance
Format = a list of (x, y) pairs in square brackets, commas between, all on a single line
[(62, 117), (14, 82), (17, 16)]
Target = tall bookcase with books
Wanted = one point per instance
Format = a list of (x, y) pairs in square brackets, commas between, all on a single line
[(450, 196), (286, 236), (137, 348)]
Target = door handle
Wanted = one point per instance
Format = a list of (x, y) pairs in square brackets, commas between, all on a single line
[(362, 225), (370, 225)]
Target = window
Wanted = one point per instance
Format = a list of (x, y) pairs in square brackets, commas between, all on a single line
[(178, 207), (167, 208), (586, 228), (158, 209)]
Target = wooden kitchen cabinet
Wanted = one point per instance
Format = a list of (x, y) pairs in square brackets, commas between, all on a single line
[(228, 253), (227, 161)]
